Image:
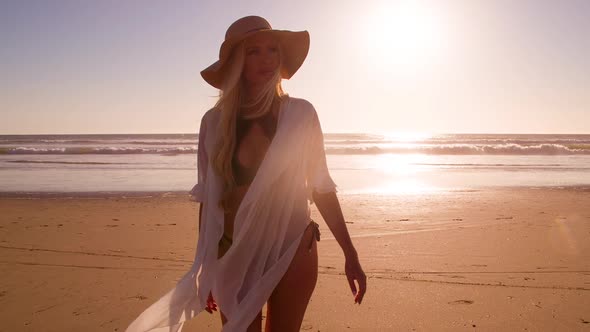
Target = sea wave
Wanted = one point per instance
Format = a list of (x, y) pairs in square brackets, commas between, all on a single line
[(99, 142), (63, 162), (466, 149), (444, 149), (439, 141), (341, 140), (95, 150)]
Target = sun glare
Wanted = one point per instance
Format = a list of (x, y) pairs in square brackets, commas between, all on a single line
[(402, 174), (404, 35)]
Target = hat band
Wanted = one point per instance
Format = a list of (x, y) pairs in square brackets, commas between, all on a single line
[(257, 29)]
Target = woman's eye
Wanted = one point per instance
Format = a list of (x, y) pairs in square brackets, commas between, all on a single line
[(274, 49), (252, 51)]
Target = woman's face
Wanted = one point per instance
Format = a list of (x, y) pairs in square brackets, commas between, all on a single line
[(262, 59)]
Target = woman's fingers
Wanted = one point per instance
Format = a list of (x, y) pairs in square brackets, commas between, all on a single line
[(362, 281), (210, 308), (351, 283), (354, 272), (211, 305)]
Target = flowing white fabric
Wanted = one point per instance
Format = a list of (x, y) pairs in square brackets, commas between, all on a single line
[(268, 226)]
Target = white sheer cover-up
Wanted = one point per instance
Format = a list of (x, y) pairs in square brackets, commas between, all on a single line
[(268, 225)]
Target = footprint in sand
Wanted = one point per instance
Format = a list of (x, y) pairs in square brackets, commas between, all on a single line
[(139, 297), (584, 321), (461, 302), (112, 225), (457, 219), (115, 219), (404, 219), (307, 327)]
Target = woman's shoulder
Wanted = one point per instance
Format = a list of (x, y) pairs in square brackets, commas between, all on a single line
[(212, 112), (302, 107), (210, 116), (300, 103)]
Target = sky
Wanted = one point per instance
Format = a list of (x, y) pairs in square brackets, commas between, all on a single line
[(439, 66)]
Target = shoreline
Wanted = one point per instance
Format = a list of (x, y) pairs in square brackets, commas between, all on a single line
[(182, 193), (90, 194)]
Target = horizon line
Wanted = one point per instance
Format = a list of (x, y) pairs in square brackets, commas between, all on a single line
[(332, 133)]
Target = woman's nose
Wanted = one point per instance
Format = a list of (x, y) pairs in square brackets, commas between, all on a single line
[(269, 57)]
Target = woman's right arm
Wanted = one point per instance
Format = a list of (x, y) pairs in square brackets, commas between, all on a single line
[(198, 190), (324, 196)]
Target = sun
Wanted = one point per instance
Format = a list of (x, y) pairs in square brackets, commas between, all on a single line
[(406, 34)]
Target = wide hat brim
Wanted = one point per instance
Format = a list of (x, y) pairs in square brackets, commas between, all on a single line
[(294, 49)]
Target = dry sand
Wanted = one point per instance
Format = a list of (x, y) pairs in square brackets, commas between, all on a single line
[(490, 260)]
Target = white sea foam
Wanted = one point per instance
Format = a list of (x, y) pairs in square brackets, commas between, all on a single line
[(98, 150), (364, 149), (462, 149)]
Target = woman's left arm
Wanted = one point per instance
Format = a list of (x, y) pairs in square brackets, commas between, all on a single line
[(329, 207)]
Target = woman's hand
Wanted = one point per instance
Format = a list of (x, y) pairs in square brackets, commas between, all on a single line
[(354, 271), (211, 305)]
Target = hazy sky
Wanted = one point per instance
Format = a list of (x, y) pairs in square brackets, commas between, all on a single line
[(440, 66)]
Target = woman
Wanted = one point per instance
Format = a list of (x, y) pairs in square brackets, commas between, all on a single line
[(260, 159)]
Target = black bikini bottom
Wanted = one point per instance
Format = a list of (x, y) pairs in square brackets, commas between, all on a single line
[(226, 240)]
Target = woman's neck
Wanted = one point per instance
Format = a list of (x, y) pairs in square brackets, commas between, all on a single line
[(252, 91), (244, 111)]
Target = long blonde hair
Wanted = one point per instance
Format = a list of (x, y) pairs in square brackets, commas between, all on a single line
[(231, 100)]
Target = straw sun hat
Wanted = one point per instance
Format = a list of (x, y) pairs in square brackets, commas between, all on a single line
[(294, 47)]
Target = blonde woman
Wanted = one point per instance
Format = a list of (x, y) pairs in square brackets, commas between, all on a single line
[(261, 161)]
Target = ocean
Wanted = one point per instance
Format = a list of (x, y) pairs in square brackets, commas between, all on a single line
[(358, 163)]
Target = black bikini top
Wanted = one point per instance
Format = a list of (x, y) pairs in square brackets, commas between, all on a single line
[(245, 175)]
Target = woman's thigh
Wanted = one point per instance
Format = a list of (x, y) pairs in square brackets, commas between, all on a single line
[(255, 326), (288, 302)]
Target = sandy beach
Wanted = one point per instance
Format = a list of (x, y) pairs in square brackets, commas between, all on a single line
[(486, 260)]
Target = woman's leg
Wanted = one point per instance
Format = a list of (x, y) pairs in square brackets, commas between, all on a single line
[(255, 326), (288, 302)]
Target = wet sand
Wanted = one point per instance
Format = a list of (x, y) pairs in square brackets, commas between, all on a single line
[(498, 259)]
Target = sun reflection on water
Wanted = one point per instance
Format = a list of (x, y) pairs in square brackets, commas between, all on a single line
[(401, 175)]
